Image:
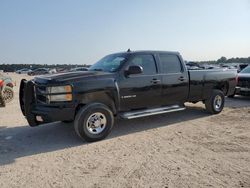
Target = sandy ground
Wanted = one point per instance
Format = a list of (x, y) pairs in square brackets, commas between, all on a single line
[(183, 149)]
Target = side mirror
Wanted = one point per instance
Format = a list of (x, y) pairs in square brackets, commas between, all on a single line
[(134, 69)]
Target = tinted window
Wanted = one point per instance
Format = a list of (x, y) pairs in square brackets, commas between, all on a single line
[(246, 70), (170, 63), (110, 63), (147, 62)]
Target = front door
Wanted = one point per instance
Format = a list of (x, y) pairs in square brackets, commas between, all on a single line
[(140, 90)]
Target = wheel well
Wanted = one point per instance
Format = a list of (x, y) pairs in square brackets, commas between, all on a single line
[(223, 87), (97, 97), (111, 106)]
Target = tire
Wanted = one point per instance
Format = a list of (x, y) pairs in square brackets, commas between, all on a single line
[(8, 94), (215, 103), (2, 102), (94, 122)]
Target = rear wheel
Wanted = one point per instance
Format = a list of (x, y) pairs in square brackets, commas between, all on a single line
[(215, 103), (94, 122)]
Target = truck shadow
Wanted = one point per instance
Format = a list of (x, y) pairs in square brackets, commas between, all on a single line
[(24, 141)]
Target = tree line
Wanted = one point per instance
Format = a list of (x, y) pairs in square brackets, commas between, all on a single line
[(15, 67), (224, 60)]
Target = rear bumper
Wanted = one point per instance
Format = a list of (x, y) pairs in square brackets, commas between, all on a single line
[(36, 113), (242, 91)]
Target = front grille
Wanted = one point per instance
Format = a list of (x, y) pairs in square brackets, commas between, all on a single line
[(244, 82), (40, 94)]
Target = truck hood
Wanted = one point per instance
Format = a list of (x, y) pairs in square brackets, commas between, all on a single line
[(69, 77)]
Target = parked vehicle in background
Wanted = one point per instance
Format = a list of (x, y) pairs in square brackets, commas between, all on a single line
[(242, 66), (52, 71), (78, 69), (210, 66), (127, 85), (243, 85), (238, 66), (7, 93), (39, 71), (2, 101), (62, 70), (193, 66), (23, 71)]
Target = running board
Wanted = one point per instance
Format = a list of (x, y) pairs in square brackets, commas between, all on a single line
[(150, 112)]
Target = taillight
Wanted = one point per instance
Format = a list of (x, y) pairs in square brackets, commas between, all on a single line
[(237, 79)]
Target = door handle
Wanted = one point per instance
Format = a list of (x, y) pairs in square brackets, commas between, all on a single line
[(182, 79), (155, 81)]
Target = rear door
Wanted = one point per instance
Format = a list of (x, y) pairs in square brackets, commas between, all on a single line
[(175, 83), (140, 90)]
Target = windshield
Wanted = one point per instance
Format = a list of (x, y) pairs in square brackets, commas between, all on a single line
[(110, 63), (246, 70)]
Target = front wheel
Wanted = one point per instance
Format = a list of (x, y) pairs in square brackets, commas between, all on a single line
[(215, 103), (94, 122)]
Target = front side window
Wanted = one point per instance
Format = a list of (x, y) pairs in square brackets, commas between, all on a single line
[(110, 63), (170, 63), (146, 61)]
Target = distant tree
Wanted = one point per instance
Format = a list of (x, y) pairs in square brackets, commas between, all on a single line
[(222, 60)]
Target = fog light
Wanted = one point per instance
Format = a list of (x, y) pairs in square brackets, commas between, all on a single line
[(39, 118)]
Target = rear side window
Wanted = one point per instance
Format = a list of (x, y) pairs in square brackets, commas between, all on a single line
[(170, 63), (147, 62)]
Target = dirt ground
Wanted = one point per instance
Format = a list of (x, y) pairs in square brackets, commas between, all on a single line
[(182, 149)]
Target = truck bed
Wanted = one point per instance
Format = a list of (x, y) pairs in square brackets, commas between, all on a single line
[(201, 82)]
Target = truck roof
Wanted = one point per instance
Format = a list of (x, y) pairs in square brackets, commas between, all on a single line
[(149, 51)]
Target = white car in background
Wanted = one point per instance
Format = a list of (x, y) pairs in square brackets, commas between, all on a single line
[(52, 71), (23, 71)]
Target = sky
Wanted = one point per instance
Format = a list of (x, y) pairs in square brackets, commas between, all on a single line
[(83, 31)]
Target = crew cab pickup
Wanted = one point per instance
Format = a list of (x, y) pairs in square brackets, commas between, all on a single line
[(126, 85)]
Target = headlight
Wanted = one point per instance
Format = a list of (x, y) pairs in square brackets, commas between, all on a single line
[(59, 89), (59, 93)]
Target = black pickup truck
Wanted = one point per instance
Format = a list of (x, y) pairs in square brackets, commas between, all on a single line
[(126, 85)]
